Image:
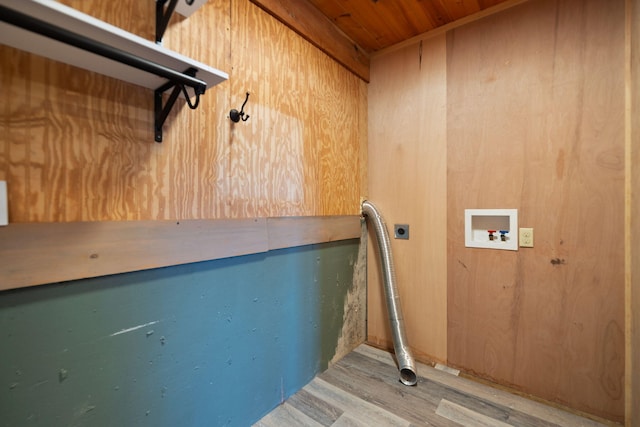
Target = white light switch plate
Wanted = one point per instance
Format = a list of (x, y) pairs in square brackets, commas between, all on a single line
[(4, 209)]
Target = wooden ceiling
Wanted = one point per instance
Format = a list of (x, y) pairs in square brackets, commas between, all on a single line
[(377, 24), (350, 31)]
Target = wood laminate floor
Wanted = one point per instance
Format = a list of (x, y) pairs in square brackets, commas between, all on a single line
[(362, 389)]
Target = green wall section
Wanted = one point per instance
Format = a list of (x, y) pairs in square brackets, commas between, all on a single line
[(207, 344)]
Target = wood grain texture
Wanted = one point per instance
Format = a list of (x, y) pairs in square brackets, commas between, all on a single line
[(287, 414), (535, 121), (315, 407), (407, 182), (40, 253), (632, 215), (77, 146), (359, 411), (443, 29), (298, 231), (377, 25), (303, 18), (491, 396), (362, 389), (354, 374), (363, 122), (304, 132), (463, 416)]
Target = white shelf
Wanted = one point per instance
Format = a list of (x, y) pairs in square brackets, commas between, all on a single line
[(70, 19)]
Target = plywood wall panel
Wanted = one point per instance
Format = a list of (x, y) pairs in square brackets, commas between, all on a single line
[(313, 136), (535, 122), (407, 182), (255, 41), (78, 146), (134, 17), (632, 219)]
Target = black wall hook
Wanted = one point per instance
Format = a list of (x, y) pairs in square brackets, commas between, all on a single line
[(236, 115)]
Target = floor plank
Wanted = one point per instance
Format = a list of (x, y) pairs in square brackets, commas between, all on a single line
[(315, 407), (363, 389), (540, 410), (355, 408), (417, 404), (466, 417), (286, 415)]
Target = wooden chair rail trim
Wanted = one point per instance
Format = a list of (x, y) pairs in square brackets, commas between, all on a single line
[(39, 253)]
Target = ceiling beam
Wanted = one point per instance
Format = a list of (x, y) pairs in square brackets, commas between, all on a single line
[(303, 18)]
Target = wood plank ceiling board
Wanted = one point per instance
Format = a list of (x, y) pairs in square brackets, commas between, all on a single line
[(350, 31), (377, 24)]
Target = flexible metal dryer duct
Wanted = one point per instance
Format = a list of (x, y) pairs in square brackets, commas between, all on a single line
[(406, 364)]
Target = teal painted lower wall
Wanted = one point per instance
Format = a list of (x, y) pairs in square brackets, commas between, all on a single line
[(208, 344)]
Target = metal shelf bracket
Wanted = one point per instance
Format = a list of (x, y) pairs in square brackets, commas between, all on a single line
[(35, 26), (163, 17), (162, 112)]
